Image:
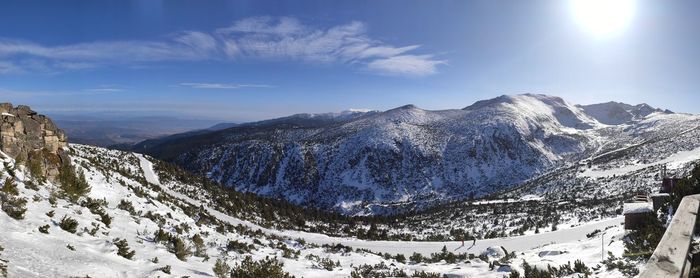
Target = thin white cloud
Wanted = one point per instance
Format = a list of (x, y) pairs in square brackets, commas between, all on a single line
[(256, 38), (7, 67), (184, 46), (266, 25), (416, 65), (223, 85), (105, 89)]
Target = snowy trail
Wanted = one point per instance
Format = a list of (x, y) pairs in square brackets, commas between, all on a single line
[(673, 161), (518, 243)]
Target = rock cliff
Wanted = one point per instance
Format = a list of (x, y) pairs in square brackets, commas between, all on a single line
[(32, 138)]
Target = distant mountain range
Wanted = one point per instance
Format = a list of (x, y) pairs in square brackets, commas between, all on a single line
[(377, 162)]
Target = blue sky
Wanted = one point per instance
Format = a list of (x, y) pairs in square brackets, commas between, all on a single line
[(249, 60)]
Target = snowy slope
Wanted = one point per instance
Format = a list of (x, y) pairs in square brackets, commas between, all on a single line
[(518, 243), (117, 176), (616, 113), (399, 159)]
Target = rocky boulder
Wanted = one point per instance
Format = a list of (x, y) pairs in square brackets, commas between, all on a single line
[(34, 139)]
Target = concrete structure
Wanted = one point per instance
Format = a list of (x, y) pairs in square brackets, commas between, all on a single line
[(658, 199), (668, 184), (635, 214)]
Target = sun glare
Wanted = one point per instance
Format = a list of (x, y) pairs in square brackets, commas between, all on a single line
[(603, 17)]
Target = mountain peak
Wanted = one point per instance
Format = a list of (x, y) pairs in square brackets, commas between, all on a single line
[(616, 113), (512, 99), (537, 107), (406, 107)]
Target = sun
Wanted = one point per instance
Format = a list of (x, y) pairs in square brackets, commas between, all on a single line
[(603, 17)]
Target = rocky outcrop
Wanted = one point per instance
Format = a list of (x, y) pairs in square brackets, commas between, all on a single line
[(32, 138)]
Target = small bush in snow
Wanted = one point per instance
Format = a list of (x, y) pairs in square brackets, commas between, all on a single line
[(166, 269), (383, 270), (3, 265), (127, 206), (97, 207), (328, 264), (580, 267), (8, 168), (10, 203), (15, 207), (93, 231), (289, 253), (625, 266), (31, 185), (44, 229), (68, 224), (123, 248), (593, 233), (268, 267), (239, 247), (53, 200), (416, 258), (161, 236)]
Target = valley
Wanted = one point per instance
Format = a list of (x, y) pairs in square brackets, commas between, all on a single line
[(181, 222), (345, 138)]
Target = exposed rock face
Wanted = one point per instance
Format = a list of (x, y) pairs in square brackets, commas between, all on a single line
[(27, 136)]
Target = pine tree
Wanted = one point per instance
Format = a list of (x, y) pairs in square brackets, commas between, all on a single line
[(267, 267), (34, 164), (160, 236), (199, 248), (9, 187), (221, 269), (73, 185), (10, 203), (181, 250), (416, 257)]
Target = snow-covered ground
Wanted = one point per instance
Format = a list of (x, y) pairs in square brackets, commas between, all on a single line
[(673, 161), (31, 253), (518, 243), (569, 244)]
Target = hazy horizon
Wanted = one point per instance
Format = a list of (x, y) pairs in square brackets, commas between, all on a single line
[(121, 115)]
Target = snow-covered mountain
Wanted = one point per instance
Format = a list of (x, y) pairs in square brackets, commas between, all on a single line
[(408, 157), (140, 218), (108, 213), (616, 113)]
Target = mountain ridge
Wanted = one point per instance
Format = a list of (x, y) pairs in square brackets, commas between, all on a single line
[(402, 157)]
